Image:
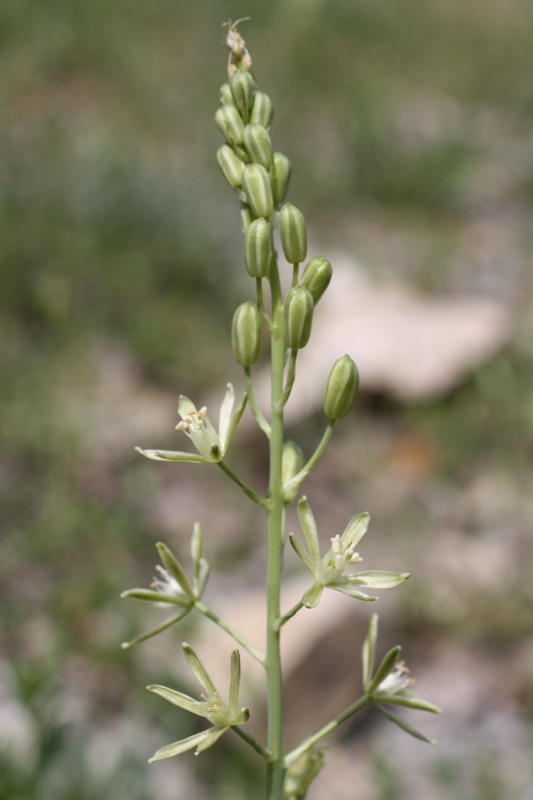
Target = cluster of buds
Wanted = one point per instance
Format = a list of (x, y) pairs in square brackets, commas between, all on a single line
[(260, 177)]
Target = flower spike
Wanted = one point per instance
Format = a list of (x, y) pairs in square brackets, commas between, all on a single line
[(329, 570)]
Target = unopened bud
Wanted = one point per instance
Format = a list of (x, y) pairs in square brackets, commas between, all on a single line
[(293, 234), (262, 110), (298, 308), (242, 87), (256, 184), (258, 145), (246, 334), (231, 166), (316, 277), (292, 462), (226, 97), (280, 175), (341, 388), (258, 248), (230, 124)]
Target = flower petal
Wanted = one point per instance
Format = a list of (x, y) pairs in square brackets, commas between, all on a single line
[(312, 596), (387, 665), (185, 407), (235, 419), (182, 746), (377, 579), (408, 702), (179, 699), (176, 570), (197, 546), (203, 577), (213, 735), (307, 521), (155, 597), (156, 629), (302, 553), (235, 681), (225, 415), (198, 670), (404, 726), (356, 529), (345, 588), (174, 455)]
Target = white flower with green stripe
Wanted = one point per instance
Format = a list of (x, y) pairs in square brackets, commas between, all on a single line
[(328, 571)]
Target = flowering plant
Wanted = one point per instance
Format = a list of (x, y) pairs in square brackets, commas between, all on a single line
[(259, 177)]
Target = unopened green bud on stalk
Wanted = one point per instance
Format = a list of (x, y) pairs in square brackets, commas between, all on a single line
[(230, 125), (226, 97), (293, 460), (341, 388), (258, 145), (246, 334), (242, 87), (298, 308), (293, 233), (256, 184), (316, 277), (258, 248), (262, 110), (280, 175), (231, 166)]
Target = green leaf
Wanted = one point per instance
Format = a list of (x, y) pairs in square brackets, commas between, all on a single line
[(182, 746), (179, 699), (198, 670), (155, 597), (377, 579), (174, 455), (176, 570), (385, 668), (302, 553), (156, 629), (404, 726), (312, 596), (307, 521), (368, 652)]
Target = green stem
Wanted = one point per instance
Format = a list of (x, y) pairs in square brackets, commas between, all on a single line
[(248, 646), (291, 374), (251, 741), (304, 472), (256, 411), (316, 737), (275, 768), (290, 614), (294, 275), (257, 498), (265, 319)]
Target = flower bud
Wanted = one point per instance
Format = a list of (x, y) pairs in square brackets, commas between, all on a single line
[(231, 166), (246, 334), (292, 462), (341, 388), (258, 248), (281, 172), (258, 145), (262, 110), (226, 97), (230, 124), (246, 217), (316, 277), (256, 184), (298, 308), (242, 87), (293, 234)]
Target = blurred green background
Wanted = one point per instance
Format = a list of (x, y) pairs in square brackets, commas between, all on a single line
[(409, 127)]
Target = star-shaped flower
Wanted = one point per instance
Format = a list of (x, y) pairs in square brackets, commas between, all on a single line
[(389, 684), (328, 571), (211, 706), (211, 446), (171, 587)]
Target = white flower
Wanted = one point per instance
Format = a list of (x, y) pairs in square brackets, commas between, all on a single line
[(195, 424)]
